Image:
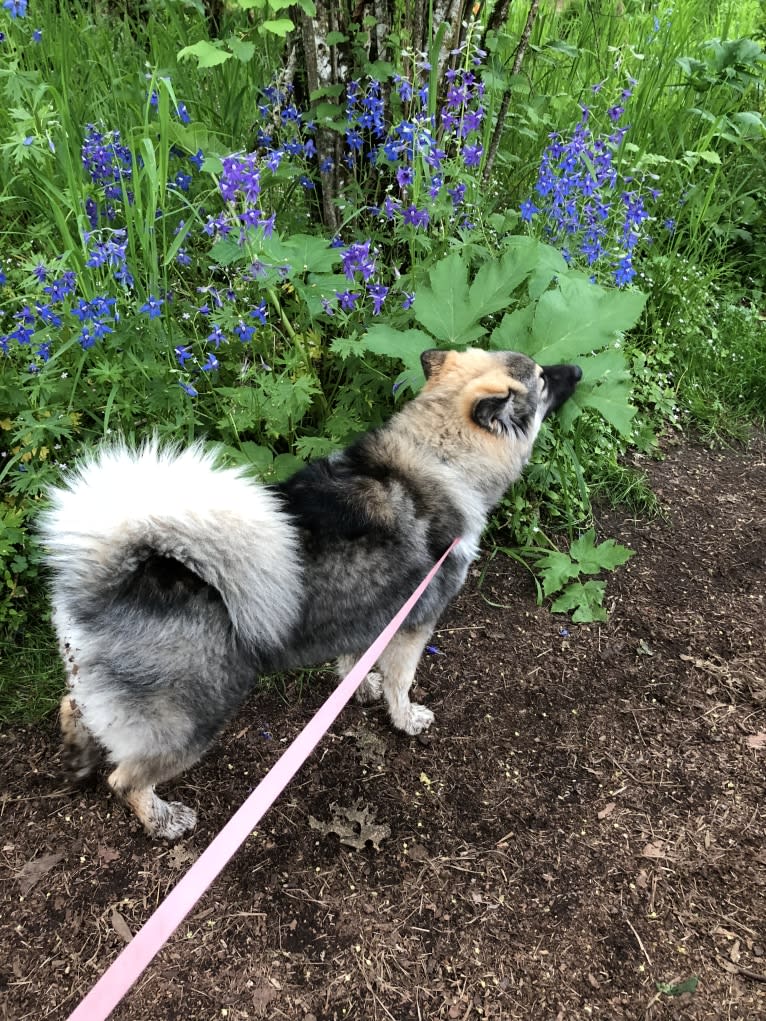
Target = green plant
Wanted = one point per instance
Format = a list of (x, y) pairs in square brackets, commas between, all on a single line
[(561, 573)]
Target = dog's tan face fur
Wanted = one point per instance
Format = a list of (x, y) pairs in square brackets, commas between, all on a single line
[(481, 411)]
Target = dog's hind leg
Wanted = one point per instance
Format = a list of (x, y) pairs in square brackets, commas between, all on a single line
[(371, 688), (397, 665), (82, 754), (133, 782)]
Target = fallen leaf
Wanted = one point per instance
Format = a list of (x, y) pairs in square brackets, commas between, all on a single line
[(655, 849), (33, 871), (107, 854), (757, 740), (417, 852), (354, 826), (607, 810), (121, 927), (179, 857)]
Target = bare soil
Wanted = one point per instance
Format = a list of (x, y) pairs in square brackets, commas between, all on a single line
[(580, 836)]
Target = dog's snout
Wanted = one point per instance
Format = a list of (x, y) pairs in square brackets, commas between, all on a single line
[(561, 380)]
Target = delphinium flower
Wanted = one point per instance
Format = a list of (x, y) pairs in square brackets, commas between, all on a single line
[(152, 306), (107, 161), (348, 299), (260, 313), (62, 286), (240, 187), (16, 8), (586, 207), (109, 248), (357, 259)]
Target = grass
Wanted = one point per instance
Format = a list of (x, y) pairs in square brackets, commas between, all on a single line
[(31, 677)]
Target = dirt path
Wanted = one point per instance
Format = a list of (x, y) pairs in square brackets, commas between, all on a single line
[(581, 835)]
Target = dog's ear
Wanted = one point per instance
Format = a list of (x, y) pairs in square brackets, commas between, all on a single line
[(492, 412), (501, 413), (432, 361)]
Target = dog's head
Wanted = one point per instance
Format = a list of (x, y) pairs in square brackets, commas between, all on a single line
[(501, 392)]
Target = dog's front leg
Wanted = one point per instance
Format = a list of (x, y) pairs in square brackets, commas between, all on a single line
[(397, 665)]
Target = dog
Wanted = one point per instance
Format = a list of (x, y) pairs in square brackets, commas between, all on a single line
[(176, 583)]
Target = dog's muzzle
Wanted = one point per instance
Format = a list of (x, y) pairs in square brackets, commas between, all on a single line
[(560, 381)]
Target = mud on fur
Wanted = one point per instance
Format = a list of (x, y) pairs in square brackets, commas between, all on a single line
[(176, 583)]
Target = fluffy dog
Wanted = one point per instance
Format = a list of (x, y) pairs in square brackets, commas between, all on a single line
[(177, 583)]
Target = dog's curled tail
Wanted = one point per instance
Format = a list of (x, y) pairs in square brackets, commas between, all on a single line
[(122, 506)]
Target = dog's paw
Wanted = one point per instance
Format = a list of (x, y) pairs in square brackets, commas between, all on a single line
[(417, 720), (370, 690), (173, 821), (79, 765)]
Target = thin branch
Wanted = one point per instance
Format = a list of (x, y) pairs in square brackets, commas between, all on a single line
[(503, 111)]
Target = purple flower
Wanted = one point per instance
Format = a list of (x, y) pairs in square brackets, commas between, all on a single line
[(63, 287), (378, 294), (16, 8), (347, 299), (357, 259), (183, 113), (188, 388), (244, 331), (528, 210), (153, 307), (416, 217), (624, 272), (260, 313), (182, 180), (211, 364), (409, 300), (217, 336), (404, 177), (472, 155), (457, 194)]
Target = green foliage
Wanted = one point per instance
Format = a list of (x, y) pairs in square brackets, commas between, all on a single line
[(689, 985), (560, 572)]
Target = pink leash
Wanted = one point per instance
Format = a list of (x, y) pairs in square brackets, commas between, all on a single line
[(159, 927)]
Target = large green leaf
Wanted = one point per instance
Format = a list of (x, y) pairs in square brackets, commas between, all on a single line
[(515, 331), (444, 307), (579, 317), (613, 403), (497, 279), (311, 253), (605, 387), (242, 49), (592, 558), (208, 54), (279, 26), (585, 599), (404, 345)]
